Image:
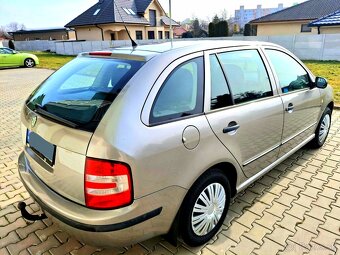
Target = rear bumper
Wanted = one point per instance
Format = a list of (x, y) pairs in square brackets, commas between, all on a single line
[(149, 216)]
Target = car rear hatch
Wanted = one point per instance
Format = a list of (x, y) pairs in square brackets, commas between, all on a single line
[(61, 115)]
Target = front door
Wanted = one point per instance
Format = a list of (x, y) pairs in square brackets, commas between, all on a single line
[(301, 104), (246, 112), (8, 58)]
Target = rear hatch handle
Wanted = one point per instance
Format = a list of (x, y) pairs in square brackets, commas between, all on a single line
[(26, 215)]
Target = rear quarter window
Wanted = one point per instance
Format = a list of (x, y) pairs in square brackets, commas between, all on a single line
[(181, 94)]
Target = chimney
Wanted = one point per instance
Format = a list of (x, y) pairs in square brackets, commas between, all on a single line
[(280, 6), (259, 6)]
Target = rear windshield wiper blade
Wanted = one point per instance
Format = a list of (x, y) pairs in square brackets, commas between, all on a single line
[(39, 109)]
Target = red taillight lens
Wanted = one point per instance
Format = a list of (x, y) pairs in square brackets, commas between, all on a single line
[(108, 184), (100, 53)]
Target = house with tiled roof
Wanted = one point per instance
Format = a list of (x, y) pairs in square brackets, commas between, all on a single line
[(296, 19), (329, 24), (144, 19)]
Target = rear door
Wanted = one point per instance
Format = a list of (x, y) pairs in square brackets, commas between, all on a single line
[(246, 112), (301, 103)]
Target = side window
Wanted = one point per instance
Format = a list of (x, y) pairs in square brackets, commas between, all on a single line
[(181, 94), (246, 74), (220, 94), (5, 51), (291, 74)]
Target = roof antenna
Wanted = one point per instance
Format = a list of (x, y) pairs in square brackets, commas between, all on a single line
[(134, 44)]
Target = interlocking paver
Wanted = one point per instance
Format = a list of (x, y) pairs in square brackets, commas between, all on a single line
[(25, 231), (44, 246), (269, 247), (289, 222), (16, 248), (326, 239), (221, 245), (12, 237), (294, 209), (69, 246), (302, 237), (317, 249), (247, 219), (280, 235), (268, 220), (311, 224), (293, 249), (257, 233)]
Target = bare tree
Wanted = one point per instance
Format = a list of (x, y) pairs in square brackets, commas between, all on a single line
[(3, 33), (224, 15), (15, 26)]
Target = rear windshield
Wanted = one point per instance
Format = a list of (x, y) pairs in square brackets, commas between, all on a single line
[(79, 94)]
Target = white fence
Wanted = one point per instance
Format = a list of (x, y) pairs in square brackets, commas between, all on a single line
[(311, 47)]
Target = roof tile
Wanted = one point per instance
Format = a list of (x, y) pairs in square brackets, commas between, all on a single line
[(112, 13), (332, 19), (309, 10)]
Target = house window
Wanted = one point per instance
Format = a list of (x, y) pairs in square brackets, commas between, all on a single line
[(160, 34), (113, 36), (152, 18), (305, 28), (151, 35), (167, 35), (139, 35)]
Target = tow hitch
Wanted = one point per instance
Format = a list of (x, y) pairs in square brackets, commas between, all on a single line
[(26, 215)]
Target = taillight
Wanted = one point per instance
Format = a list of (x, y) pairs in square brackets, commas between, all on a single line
[(100, 53), (108, 184)]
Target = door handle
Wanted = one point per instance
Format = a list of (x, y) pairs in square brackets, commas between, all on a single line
[(290, 108), (233, 126)]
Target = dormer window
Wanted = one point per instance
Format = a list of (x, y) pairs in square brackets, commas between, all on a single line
[(96, 12)]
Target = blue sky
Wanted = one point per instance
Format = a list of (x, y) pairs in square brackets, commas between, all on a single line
[(45, 14)]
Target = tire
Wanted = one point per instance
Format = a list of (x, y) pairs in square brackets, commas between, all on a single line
[(192, 224), (29, 63), (322, 129)]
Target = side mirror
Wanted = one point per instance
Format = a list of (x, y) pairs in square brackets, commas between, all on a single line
[(321, 83), (14, 52)]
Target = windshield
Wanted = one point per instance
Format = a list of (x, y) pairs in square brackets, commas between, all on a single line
[(79, 94)]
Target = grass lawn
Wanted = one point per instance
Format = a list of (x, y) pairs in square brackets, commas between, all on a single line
[(327, 69), (50, 60)]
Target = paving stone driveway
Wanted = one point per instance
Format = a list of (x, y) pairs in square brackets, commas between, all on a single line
[(294, 209)]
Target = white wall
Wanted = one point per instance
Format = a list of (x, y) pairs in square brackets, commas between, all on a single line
[(311, 47)]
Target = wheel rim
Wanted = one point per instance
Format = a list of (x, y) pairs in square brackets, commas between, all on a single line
[(29, 62), (324, 128), (208, 209)]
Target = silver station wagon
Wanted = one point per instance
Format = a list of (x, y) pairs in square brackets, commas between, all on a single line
[(125, 145)]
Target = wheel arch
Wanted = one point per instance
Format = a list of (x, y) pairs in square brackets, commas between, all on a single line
[(229, 170), (331, 106)]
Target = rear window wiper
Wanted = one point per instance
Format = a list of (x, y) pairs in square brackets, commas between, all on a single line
[(39, 109)]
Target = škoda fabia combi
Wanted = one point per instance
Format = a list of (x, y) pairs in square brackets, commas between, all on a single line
[(125, 145)]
